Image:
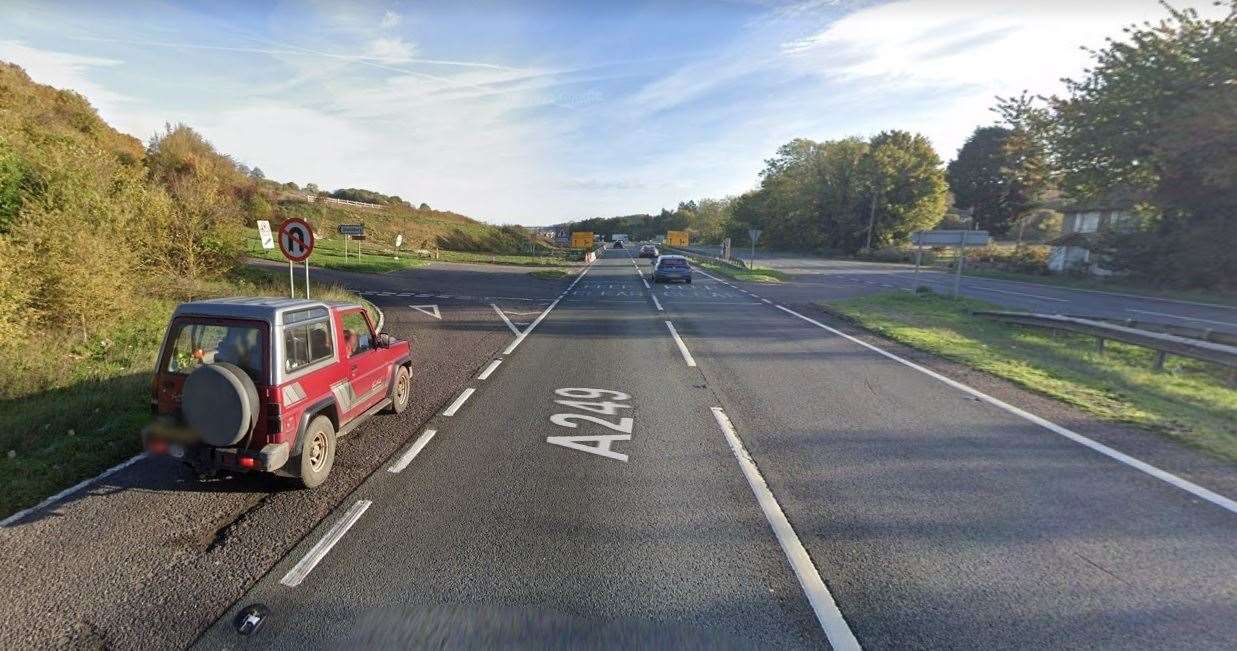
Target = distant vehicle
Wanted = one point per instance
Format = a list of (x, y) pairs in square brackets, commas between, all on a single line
[(270, 384), (618, 244), (620, 237), (671, 268), (648, 251)]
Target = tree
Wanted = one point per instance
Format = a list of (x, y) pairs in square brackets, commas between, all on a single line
[(1155, 117), (907, 187), (312, 188), (257, 174), (984, 177)]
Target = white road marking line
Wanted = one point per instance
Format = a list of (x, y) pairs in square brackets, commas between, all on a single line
[(1189, 487), (73, 489), (485, 375), (1183, 318), (646, 283), (814, 588), (319, 551), (656, 302), (767, 301), (459, 402), (520, 337), (687, 356), (413, 451), (506, 320)]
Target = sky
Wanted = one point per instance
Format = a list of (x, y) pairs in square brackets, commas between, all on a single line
[(541, 112)]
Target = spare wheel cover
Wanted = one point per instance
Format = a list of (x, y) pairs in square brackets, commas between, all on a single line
[(220, 403)]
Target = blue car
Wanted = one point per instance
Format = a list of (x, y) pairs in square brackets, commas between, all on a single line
[(671, 268)]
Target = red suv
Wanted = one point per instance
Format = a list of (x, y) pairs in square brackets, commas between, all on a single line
[(269, 384)]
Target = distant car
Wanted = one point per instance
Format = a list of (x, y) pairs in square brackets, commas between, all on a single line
[(648, 251), (671, 268), (269, 384), (618, 244)]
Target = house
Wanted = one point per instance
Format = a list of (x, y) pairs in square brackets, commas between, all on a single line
[(1084, 221)]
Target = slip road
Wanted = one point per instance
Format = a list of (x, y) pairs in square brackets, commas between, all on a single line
[(650, 465)]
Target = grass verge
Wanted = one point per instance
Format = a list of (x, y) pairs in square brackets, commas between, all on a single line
[(1188, 401), (71, 409), (757, 275), (368, 258)]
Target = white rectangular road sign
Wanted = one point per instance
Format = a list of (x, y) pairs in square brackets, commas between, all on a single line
[(264, 231), (950, 238)]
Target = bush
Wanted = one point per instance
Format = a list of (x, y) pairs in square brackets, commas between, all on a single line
[(1020, 259)]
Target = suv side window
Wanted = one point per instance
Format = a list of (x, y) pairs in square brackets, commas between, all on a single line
[(194, 344), (357, 336), (307, 343)]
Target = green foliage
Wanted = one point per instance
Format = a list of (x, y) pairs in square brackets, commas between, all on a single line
[(844, 195), (1155, 118), (980, 178)]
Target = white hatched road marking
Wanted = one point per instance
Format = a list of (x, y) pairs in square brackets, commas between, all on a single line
[(814, 588), (485, 375)]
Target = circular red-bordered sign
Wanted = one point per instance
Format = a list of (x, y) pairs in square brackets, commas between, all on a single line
[(296, 239)]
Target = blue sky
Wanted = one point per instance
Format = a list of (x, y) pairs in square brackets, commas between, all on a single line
[(538, 112)]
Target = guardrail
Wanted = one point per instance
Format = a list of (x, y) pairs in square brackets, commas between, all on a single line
[(1204, 334), (1163, 343)]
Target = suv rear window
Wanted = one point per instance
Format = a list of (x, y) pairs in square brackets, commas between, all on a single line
[(306, 342), (195, 344)]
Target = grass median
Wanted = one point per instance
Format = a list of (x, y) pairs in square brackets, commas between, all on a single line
[(549, 274), (1188, 401), (757, 275), (71, 409)]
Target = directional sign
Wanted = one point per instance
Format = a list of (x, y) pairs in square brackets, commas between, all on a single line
[(399, 239), (950, 238), (264, 231), (296, 239), (754, 234), (355, 230)]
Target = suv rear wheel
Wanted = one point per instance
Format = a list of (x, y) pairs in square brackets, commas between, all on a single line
[(318, 453)]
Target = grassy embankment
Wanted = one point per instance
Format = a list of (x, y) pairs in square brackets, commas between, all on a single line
[(1188, 401), (76, 407), (448, 236), (549, 274)]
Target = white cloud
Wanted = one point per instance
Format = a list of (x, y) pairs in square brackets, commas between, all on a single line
[(390, 19), (390, 50)]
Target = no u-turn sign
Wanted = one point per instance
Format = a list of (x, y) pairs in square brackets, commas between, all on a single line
[(296, 239)]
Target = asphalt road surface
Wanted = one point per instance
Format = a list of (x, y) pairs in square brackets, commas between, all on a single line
[(598, 461), (823, 278)]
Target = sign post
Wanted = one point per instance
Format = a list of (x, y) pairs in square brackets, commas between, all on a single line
[(349, 231), (296, 242), (959, 239), (754, 234)]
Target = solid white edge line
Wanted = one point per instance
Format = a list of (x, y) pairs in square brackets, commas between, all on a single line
[(656, 302), (646, 283), (72, 489), (505, 319), (319, 551), (767, 301), (485, 374), (687, 356), (1185, 485), (459, 402), (814, 588), (413, 451)]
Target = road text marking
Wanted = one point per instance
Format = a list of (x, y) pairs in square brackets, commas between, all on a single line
[(319, 551), (459, 402), (687, 356), (814, 588), (413, 451), (1189, 487), (592, 444)]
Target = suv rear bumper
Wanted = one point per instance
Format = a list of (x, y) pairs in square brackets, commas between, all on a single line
[(166, 436)]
